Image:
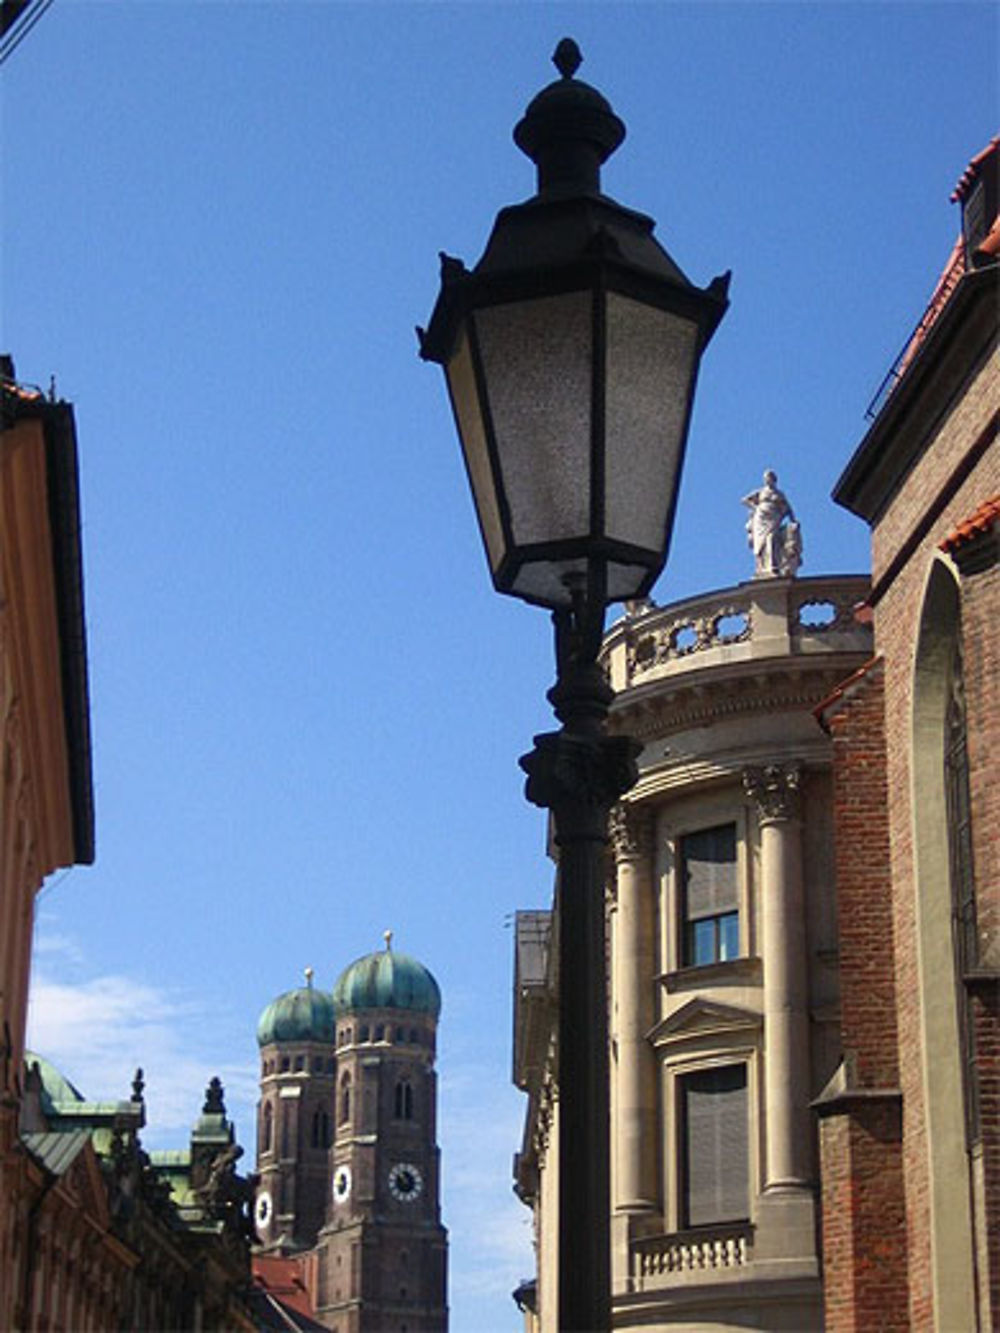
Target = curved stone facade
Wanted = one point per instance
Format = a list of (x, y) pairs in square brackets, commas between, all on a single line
[(722, 934)]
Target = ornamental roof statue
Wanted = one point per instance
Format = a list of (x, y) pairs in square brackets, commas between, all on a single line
[(773, 532)]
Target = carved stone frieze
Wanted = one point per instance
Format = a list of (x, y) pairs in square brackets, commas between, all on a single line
[(775, 790)]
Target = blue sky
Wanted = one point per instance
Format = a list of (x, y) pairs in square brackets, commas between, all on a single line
[(221, 223)]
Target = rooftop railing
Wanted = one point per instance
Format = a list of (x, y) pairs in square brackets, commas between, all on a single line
[(758, 619)]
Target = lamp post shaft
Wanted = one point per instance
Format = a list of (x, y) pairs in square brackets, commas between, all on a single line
[(584, 1130), (578, 773)]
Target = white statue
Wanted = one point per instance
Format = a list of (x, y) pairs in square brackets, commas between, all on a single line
[(773, 533)]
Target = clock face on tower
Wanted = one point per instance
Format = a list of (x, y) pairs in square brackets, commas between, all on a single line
[(405, 1182), (262, 1210), (342, 1184)]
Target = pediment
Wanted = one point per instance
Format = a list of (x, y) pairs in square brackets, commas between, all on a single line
[(700, 1016)]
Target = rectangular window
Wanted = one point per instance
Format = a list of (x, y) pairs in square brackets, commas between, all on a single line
[(714, 1146), (709, 896)]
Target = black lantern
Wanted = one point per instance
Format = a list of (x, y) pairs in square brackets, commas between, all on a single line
[(571, 353)]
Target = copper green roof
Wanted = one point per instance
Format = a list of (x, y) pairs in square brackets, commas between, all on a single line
[(57, 1090), (387, 980), (303, 1014)]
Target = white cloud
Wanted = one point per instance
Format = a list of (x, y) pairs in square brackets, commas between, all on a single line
[(99, 1031), (490, 1229)]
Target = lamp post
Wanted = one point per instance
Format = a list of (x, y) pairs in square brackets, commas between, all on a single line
[(571, 352)]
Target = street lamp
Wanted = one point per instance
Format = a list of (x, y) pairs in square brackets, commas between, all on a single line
[(571, 352)]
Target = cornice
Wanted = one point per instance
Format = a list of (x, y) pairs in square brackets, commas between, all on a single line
[(660, 776), (743, 689)]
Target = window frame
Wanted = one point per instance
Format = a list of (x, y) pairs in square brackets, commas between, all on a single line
[(672, 923), (674, 1070)]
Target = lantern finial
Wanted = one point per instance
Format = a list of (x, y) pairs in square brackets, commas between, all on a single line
[(567, 58)]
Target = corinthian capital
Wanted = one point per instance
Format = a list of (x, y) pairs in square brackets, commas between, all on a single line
[(775, 790), (630, 830)]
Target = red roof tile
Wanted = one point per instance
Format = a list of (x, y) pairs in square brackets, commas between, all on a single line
[(281, 1276), (846, 687), (970, 174), (981, 520)]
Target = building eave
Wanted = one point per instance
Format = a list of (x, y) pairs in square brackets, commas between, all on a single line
[(62, 473), (958, 341)]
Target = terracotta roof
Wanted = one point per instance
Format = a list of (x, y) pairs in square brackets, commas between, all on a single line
[(970, 175), (280, 1276), (847, 687), (981, 520)]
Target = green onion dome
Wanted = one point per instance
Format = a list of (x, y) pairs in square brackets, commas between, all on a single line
[(387, 980), (303, 1014)]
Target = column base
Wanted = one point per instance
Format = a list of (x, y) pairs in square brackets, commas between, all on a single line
[(785, 1223), (641, 1220)]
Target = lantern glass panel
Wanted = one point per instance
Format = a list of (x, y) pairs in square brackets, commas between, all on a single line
[(469, 418), (537, 361), (650, 362)]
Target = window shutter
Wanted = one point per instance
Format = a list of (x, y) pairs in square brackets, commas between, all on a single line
[(709, 862), (715, 1148)]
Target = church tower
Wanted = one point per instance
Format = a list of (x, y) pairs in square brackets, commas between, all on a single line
[(294, 1118), (381, 1258)]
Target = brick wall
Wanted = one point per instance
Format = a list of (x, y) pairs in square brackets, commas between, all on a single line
[(864, 1233)]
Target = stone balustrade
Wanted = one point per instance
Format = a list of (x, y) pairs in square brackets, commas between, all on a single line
[(760, 618), (657, 1260)]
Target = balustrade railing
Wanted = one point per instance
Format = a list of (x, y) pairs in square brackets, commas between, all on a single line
[(800, 615), (655, 1258)]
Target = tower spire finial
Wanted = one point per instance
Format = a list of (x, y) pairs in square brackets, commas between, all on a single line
[(309, 977), (387, 936)]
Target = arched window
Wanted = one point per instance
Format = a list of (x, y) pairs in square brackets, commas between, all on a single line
[(943, 916), (403, 1101), (266, 1127), (963, 884), (285, 1132), (345, 1098), (364, 1032)]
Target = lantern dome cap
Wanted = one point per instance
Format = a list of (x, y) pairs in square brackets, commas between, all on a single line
[(569, 129), (387, 980), (303, 1014)]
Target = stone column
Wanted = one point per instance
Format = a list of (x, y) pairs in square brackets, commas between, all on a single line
[(775, 790), (631, 830)]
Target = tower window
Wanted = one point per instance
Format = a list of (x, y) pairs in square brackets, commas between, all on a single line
[(285, 1064), (320, 1129), (345, 1099), (403, 1100), (709, 901), (414, 1036), (300, 1063), (380, 1032), (714, 1146), (266, 1127), (365, 1032)]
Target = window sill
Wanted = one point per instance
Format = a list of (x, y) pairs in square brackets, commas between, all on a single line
[(735, 972)]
